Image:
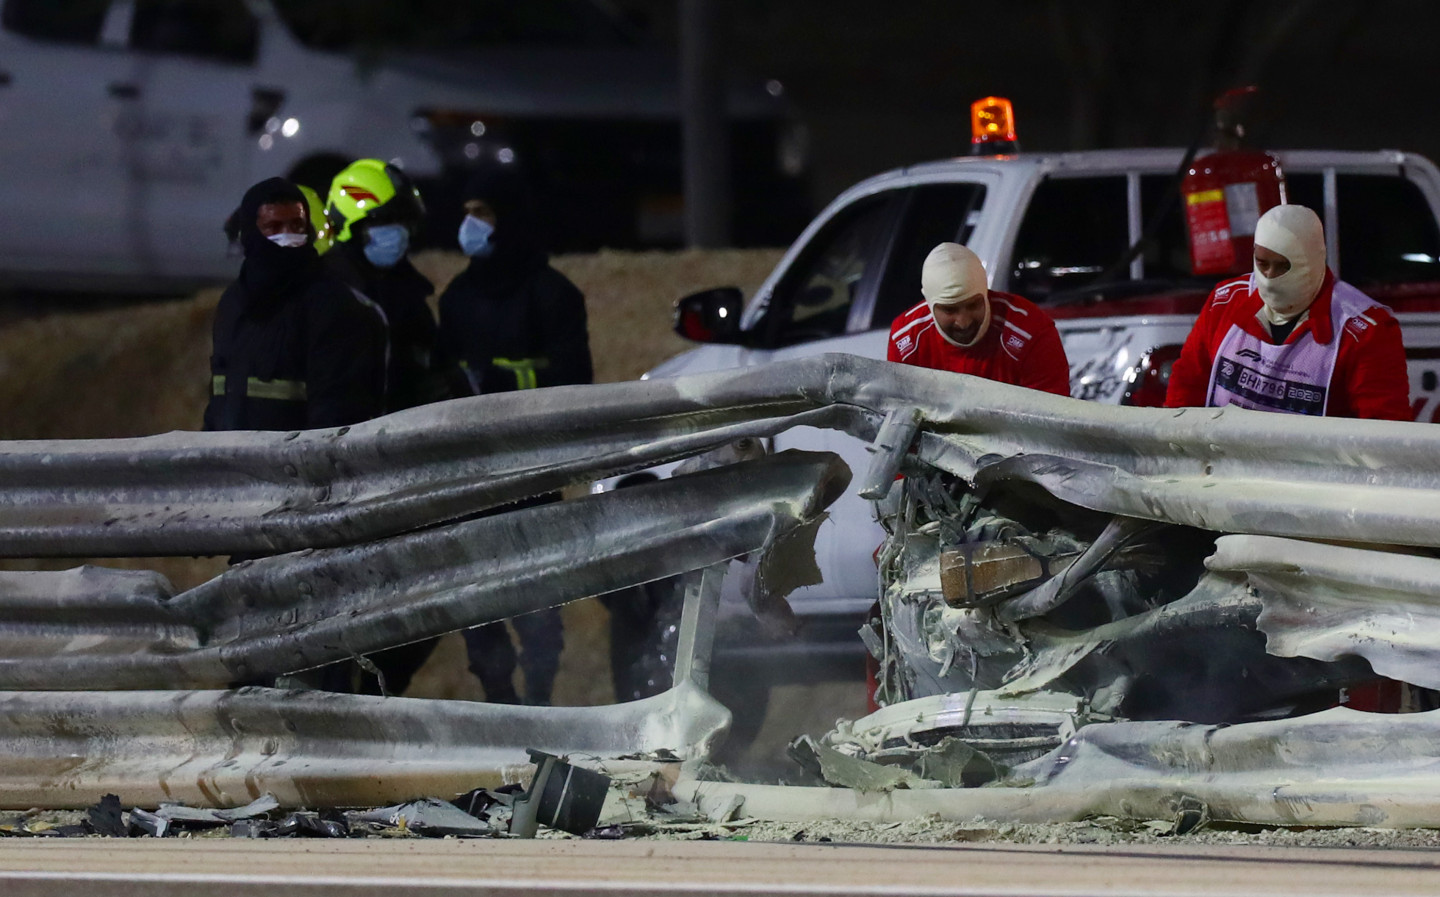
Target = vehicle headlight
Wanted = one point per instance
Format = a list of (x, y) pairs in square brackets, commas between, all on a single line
[(793, 149), (464, 138)]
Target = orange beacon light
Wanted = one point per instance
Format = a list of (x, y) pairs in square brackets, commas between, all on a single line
[(992, 126)]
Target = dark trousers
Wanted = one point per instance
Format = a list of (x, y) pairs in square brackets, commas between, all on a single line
[(493, 659), (397, 665), (644, 633)]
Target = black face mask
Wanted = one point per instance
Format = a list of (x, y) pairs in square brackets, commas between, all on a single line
[(272, 272)]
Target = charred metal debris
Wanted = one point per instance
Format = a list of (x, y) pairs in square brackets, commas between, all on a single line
[(1084, 610), (561, 796)]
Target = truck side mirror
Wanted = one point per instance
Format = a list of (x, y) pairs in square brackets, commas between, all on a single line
[(710, 316)]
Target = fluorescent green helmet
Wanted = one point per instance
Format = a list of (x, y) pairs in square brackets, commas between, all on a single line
[(318, 221), (373, 191)]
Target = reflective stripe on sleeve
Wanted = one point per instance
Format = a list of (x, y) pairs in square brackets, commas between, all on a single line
[(523, 368), (255, 388)]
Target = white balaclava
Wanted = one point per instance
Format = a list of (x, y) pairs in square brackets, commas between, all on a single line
[(1294, 232), (952, 274)]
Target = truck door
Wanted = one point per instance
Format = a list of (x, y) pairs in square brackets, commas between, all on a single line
[(817, 297), (811, 311), (856, 276), (62, 95), (933, 214), (1073, 231), (926, 215), (188, 142)]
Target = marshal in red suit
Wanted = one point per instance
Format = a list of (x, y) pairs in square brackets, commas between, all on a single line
[(964, 327)]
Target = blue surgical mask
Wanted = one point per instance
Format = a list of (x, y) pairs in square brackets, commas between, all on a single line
[(475, 237), (386, 244)]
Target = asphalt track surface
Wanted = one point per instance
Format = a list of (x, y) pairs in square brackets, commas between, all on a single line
[(236, 868)]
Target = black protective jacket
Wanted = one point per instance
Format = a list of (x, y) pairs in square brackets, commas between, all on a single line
[(304, 354), (412, 377), (513, 322)]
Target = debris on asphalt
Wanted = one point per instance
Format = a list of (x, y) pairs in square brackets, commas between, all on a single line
[(198, 817), (147, 824), (561, 795), (431, 817), (107, 817), (829, 765)]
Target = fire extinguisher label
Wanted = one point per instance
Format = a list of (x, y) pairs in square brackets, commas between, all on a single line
[(1211, 251), (1242, 204)]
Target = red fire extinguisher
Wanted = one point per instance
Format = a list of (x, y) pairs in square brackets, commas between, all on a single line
[(1226, 192)]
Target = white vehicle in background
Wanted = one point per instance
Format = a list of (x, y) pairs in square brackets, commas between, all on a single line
[(129, 129), (1047, 226)]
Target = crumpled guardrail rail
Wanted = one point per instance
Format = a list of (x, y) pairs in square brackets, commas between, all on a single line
[(291, 612), (310, 748), (264, 493), (1227, 470), (1222, 469), (1332, 603), (1336, 767)]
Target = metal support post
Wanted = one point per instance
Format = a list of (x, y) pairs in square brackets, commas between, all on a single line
[(697, 625)]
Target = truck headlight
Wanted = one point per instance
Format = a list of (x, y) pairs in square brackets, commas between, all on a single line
[(793, 149)]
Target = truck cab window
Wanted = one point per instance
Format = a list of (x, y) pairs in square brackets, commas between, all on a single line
[(1306, 190), (1167, 253), (934, 214), (61, 21), (222, 30), (1073, 231), (813, 299), (1387, 231)]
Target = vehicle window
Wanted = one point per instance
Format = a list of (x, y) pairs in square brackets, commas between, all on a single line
[(1387, 231), (935, 213), (1167, 253), (1306, 190), (1073, 231), (444, 24), (1167, 256), (63, 21), (222, 30), (813, 300)]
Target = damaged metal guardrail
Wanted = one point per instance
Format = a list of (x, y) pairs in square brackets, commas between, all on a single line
[(99, 629), (265, 493), (1226, 470), (388, 503), (378, 520), (1338, 767), (224, 748)]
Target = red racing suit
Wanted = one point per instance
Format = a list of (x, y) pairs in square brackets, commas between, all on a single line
[(1021, 346), (1366, 370)]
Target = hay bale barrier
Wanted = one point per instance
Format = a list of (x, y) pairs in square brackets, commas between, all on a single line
[(143, 368)]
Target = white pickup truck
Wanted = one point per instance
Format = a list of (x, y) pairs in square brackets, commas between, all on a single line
[(1047, 226), (129, 129)]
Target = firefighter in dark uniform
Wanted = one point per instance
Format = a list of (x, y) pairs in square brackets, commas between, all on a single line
[(509, 322), (374, 209), (294, 348)]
